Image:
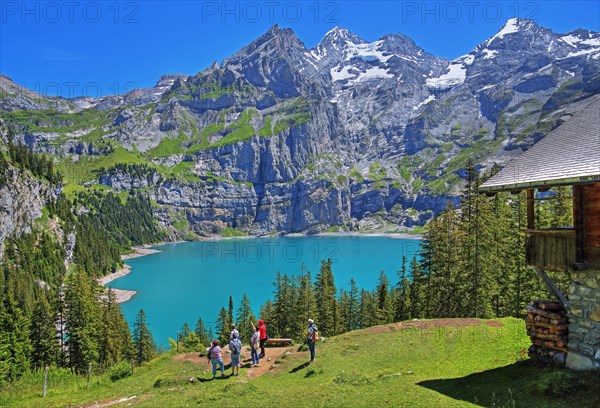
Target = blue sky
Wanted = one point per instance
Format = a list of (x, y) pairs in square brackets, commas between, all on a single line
[(106, 47)]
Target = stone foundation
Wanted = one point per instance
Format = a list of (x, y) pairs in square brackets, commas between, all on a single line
[(584, 320)]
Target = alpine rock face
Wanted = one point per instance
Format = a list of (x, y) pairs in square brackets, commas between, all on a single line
[(282, 138)]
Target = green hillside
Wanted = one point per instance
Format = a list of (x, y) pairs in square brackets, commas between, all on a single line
[(435, 363)]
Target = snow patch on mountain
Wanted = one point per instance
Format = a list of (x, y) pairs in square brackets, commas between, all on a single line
[(341, 73), (511, 26), (574, 40), (425, 102), (354, 75), (374, 72), (369, 51), (489, 54), (457, 72)]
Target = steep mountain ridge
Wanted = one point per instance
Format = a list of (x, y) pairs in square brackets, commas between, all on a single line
[(281, 138)]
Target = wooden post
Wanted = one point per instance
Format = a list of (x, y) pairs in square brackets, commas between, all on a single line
[(579, 224), (530, 209), (45, 381), (559, 295), (89, 375)]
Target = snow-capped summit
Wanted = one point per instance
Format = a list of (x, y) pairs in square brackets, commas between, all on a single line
[(334, 43)]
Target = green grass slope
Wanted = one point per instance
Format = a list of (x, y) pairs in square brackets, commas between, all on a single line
[(441, 363)]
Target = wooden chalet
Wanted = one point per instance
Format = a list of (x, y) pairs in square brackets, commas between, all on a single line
[(567, 156)]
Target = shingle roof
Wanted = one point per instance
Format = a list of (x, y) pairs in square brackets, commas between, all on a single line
[(569, 154)]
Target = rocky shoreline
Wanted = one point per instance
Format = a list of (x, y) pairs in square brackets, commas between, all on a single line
[(123, 295)]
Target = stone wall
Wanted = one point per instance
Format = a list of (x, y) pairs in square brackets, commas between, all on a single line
[(584, 320)]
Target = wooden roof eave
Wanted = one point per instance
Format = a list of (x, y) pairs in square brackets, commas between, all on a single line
[(536, 184)]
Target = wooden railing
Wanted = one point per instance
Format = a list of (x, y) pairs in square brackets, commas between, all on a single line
[(552, 249)]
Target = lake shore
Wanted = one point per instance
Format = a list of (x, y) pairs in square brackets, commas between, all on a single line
[(123, 295), (395, 235)]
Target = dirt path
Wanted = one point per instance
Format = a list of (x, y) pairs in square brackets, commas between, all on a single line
[(272, 353), (109, 403)]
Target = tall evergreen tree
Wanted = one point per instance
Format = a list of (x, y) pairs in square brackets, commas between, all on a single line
[(143, 342), (384, 305), (244, 319), (222, 326), (403, 301), (325, 294), (43, 334), (305, 307), (230, 310), (185, 331), (82, 321), (352, 322), (283, 303), (15, 352), (202, 333), (367, 310)]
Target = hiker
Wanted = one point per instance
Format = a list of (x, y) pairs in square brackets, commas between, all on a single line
[(263, 337), (312, 336), (234, 333), (214, 356), (254, 346), (262, 329), (235, 349)]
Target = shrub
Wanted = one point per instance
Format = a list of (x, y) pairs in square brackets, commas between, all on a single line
[(119, 371)]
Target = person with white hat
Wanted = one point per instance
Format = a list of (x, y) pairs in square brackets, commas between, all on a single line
[(312, 336)]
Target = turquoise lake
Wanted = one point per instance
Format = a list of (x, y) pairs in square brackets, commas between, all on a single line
[(189, 280)]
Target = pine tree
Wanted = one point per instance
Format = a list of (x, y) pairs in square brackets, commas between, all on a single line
[(367, 309), (222, 326), (383, 302), (403, 301), (43, 334), (185, 331), (15, 352), (201, 332), (244, 319), (283, 303), (325, 294), (267, 312), (82, 321), (418, 291), (230, 310), (305, 307), (143, 342), (353, 307)]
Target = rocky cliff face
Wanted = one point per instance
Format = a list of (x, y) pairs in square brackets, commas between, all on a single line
[(281, 138), (22, 197)]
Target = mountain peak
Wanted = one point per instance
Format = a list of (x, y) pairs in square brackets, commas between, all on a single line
[(512, 26), (339, 34), (334, 42)]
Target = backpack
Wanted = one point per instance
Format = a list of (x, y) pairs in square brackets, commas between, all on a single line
[(235, 350), (315, 334), (209, 352)]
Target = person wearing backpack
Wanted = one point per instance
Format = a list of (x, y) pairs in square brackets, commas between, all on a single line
[(254, 346), (235, 349), (214, 356), (234, 332), (312, 336)]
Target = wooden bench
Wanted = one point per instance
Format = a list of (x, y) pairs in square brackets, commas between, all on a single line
[(281, 342)]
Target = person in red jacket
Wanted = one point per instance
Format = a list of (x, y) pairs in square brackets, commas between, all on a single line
[(262, 330)]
